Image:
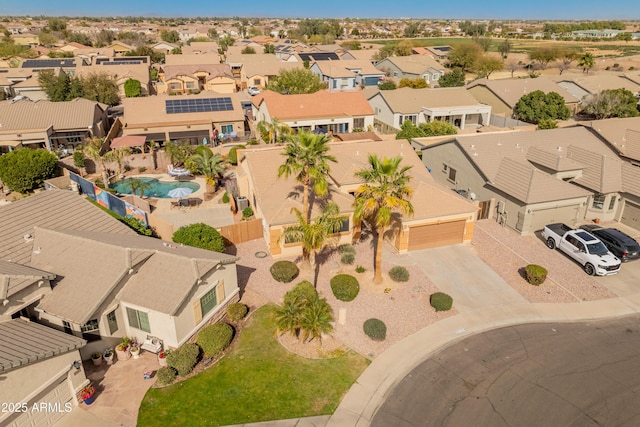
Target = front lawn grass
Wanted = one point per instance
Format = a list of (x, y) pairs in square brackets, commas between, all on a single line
[(258, 380)]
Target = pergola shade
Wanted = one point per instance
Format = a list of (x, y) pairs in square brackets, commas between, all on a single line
[(128, 141)]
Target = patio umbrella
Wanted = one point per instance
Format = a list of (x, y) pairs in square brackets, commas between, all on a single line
[(179, 172), (180, 192)]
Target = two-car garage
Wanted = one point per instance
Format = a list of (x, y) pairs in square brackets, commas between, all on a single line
[(437, 234), (631, 215)]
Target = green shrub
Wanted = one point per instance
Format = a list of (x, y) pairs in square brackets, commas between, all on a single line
[(284, 271), (303, 290), (247, 212), (345, 287), (441, 301), (346, 249), (347, 258), (214, 338), (233, 154), (225, 197), (360, 269), (142, 169), (200, 235), (375, 329), (127, 168), (237, 311), (184, 359), (24, 170), (399, 274), (137, 225), (535, 274), (79, 159), (166, 375)]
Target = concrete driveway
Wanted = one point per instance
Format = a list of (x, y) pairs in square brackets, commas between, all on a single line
[(457, 271)]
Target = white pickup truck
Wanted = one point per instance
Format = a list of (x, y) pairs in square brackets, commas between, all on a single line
[(583, 247)]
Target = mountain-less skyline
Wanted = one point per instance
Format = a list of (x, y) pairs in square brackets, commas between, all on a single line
[(465, 9)]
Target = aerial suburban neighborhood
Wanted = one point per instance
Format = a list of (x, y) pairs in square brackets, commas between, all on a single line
[(323, 222)]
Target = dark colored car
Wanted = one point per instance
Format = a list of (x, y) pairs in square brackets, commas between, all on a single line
[(620, 244)]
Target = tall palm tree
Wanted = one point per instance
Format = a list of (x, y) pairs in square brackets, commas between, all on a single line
[(93, 149), (307, 159), (384, 191), (316, 319), (139, 185), (273, 131), (314, 235), (586, 61), (179, 151), (208, 164), (117, 155)]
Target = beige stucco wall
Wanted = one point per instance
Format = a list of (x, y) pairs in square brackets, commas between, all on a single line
[(24, 298), (382, 111), (221, 85), (604, 214)]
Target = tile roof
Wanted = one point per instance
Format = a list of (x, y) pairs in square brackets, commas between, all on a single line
[(407, 100), (26, 114), (348, 67), (631, 179), (552, 160), (268, 68), (598, 82), (511, 90), (414, 64), (118, 72), (192, 59), (23, 343), (602, 173), (321, 104), (213, 70), (15, 277), (53, 209), (622, 134)]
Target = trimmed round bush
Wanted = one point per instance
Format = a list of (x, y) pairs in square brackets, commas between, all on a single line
[(284, 271), (166, 375), (441, 301), (536, 275), (237, 311), (399, 274), (303, 290), (184, 359), (215, 338), (346, 249), (345, 287), (347, 258), (375, 329), (200, 235)]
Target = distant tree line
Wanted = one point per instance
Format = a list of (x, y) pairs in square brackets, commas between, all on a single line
[(558, 28)]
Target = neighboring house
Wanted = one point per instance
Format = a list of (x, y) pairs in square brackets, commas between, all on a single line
[(259, 73), (453, 105), (120, 72), (99, 280), (199, 48), (68, 65), (51, 125), (184, 117), (26, 39), (91, 54), (182, 79), (192, 59), (530, 178), (436, 52), (121, 48), (503, 95), (441, 217), (412, 67), (324, 112), (38, 365), (347, 74), (9, 77), (582, 86), (73, 46), (164, 47)]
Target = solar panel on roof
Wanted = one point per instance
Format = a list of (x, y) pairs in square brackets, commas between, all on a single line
[(44, 63), (121, 62), (198, 105)]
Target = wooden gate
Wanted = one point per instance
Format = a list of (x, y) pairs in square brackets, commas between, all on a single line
[(242, 231)]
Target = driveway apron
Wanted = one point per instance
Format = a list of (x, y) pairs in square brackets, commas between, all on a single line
[(457, 271)]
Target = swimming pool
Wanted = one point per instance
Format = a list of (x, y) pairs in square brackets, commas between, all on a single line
[(159, 189)]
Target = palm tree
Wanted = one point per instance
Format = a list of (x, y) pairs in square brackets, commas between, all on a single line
[(152, 151), (307, 159), (139, 185), (274, 131), (316, 319), (93, 149), (178, 152), (586, 61), (314, 235), (117, 155), (384, 191), (287, 315), (208, 164)]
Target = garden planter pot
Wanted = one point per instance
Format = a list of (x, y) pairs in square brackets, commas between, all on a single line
[(135, 352), (97, 361), (89, 400), (162, 361), (123, 354), (108, 357)]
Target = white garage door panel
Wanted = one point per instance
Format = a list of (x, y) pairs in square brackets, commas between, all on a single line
[(542, 217), (59, 393), (631, 215)]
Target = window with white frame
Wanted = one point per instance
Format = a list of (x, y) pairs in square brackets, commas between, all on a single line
[(191, 85), (138, 319), (91, 330), (598, 201), (358, 123), (112, 320), (174, 86), (411, 117), (612, 202)]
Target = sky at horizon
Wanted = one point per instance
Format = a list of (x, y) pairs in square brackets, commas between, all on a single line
[(463, 9)]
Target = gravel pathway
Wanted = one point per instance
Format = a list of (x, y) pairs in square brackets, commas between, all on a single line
[(405, 308), (507, 252)]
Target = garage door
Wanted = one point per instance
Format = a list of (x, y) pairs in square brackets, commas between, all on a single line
[(433, 235), (59, 393), (542, 217), (631, 215)]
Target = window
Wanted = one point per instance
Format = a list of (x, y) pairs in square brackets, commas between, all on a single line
[(208, 301), (91, 330), (445, 168), (345, 226), (113, 322), (67, 327), (452, 175), (358, 123), (345, 82), (598, 201), (138, 319), (395, 74), (191, 85), (411, 118), (226, 129), (612, 202), (174, 86), (256, 82)]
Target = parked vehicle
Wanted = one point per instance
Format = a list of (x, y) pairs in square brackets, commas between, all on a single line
[(253, 90), (583, 247), (620, 244)]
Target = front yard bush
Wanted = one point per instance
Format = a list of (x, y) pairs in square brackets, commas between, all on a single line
[(303, 290), (237, 311), (441, 301), (348, 258), (215, 338), (346, 249), (166, 375), (184, 359), (536, 274), (345, 287), (200, 235), (399, 274), (375, 329), (284, 271)]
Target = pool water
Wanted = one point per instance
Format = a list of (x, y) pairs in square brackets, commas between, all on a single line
[(159, 189)]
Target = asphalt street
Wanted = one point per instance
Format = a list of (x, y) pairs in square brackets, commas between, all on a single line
[(550, 374)]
